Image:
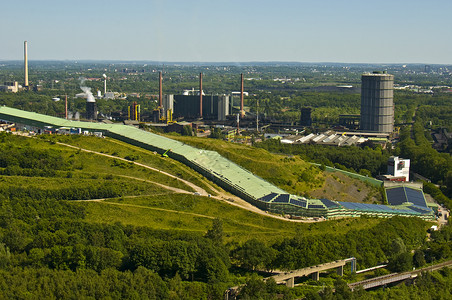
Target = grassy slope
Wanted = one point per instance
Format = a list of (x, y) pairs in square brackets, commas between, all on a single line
[(120, 149), (164, 209), (292, 174), (195, 214)]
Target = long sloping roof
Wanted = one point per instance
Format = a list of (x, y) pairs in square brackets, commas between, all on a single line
[(211, 161)]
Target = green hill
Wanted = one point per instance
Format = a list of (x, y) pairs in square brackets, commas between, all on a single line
[(290, 173)]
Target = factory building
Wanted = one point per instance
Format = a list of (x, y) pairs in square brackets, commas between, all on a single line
[(134, 112), (12, 87), (91, 110), (188, 106), (305, 119), (377, 105)]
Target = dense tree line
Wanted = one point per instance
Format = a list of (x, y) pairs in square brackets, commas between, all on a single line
[(424, 159), (436, 285), (12, 155), (370, 247)]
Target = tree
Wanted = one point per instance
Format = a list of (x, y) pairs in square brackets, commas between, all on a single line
[(397, 247), (216, 232), (342, 291), (254, 288), (418, 258), (401, 262), (254, 254)]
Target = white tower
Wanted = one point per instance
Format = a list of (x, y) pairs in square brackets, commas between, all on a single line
[(26, 64), (105, 84)]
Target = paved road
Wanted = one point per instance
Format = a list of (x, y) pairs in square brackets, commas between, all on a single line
[(394, 277)]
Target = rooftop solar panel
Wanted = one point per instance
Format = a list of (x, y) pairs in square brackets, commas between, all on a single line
[(282, 198), (316, 206), (384, 208), (422, 210), (396, 196), (301, 203), (268, 198), (345, 204), (370, 207), (416, 197), (328, 203)]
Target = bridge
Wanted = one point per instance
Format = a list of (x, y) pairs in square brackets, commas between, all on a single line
[(314, 271), (396, 277)]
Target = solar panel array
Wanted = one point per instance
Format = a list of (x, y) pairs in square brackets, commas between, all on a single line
[(396, 196), (422, 210), (283, 198), (370, 207), (329, 203), (269, 197), (301, 203), (416, 197), (316, 206), (402, 195)]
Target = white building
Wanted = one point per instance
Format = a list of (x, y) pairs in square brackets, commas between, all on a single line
[(399, 167)]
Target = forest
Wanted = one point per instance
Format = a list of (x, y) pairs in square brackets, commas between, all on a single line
[(48, 249)]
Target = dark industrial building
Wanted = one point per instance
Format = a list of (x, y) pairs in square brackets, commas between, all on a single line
[(188, 106), (91, 110), (377, 105), (305, 119), (349, 121)]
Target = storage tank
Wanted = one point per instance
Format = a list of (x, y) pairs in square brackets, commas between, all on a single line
[(377, 102)]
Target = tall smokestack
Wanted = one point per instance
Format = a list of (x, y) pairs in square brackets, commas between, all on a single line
[(200, 95), (105, 84), (242, 113), (160, 90), (26, 64)]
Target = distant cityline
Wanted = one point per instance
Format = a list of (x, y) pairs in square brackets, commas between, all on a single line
[(229, 63)]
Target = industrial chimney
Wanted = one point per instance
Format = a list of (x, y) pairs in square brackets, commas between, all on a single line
[(105, 84), (160, 90), (200, 95), (26, 64), (242, 112)]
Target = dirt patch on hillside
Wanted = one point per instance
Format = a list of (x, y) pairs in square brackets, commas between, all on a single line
[(340, 187)]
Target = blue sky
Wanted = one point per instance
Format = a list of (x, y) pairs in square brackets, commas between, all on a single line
[(354, 31)]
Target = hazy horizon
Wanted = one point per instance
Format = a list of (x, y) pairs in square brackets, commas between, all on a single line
[(304, 31)]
